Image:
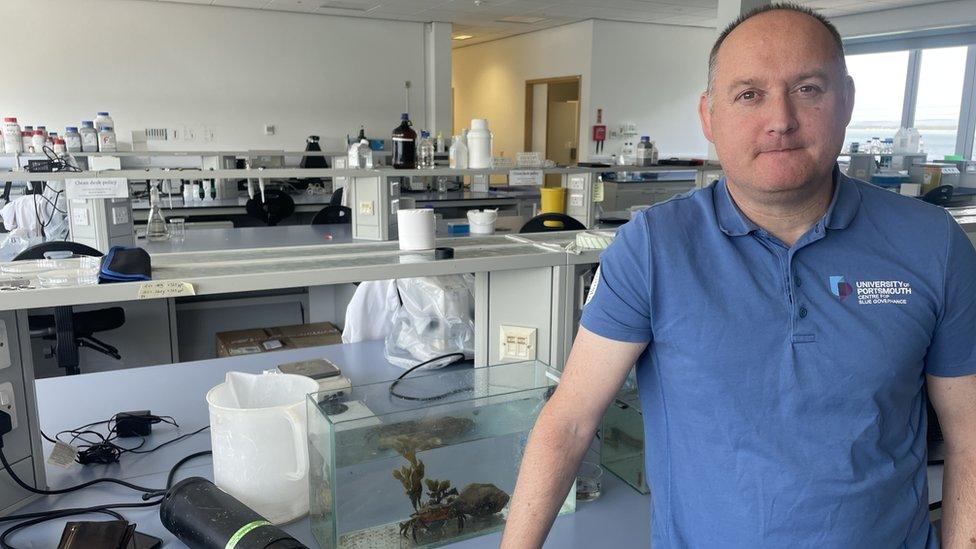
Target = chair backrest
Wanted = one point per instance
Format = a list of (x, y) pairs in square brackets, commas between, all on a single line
[(278, 206), (37, 251), (331, 215), (336, 199), (559, 222)]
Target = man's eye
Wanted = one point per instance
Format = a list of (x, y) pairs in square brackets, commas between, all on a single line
[(748, 95), (808, 89)]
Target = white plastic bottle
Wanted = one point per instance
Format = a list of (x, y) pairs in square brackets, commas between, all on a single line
[(43, 130), (37, 140), (12, 138), (439, 148), (106, 139), (479, 145), (458, 155), (59, 146), (72, 139), (103, 119), (89, 137)]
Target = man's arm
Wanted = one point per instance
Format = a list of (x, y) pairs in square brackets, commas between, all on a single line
[(594, 373), (954, 400)]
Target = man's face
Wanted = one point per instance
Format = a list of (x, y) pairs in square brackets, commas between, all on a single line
[(780, 102)]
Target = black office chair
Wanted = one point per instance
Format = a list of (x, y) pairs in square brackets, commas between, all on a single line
[(70, 330), (277, 207), (336, 199), (330, 215), (558, 221)]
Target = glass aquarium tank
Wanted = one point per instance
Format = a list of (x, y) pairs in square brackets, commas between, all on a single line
[(424, 461), (622, 440)]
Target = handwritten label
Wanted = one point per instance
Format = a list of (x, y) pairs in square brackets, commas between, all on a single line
[(107, 187), (525, 177), (165, 288), (528, 159)]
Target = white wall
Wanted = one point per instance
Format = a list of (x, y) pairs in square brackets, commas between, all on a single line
[(489, 78), (643, 73), (170, 65), (650, 75)]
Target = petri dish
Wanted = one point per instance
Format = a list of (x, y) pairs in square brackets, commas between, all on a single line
[(63, 278), (588, 482)]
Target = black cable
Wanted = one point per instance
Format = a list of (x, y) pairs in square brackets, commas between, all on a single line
[(173, 470), (177, 439), (460, 356), (29, 488)]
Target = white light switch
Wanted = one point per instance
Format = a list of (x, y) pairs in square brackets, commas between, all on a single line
[(120, 216)]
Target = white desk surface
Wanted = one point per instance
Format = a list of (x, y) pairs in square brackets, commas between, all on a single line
[(620, 518), (209, 239)]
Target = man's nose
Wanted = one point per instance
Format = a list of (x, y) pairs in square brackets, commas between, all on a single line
[(780, 115)]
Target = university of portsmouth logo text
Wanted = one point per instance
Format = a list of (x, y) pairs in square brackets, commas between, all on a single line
[(840, 288), (872, 292)]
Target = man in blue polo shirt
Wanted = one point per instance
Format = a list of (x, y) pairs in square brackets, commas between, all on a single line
[(785, 323)]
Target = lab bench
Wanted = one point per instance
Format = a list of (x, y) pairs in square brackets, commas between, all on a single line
[(306, 206), (526, 281), (619, 518)]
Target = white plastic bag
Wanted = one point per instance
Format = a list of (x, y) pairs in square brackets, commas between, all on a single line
[(370, 313), (15, 243), (435, 318)]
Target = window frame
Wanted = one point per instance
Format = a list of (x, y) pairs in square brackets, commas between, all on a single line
[(915, 43)]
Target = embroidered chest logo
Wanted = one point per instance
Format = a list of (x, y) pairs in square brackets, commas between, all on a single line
[(872, 292)]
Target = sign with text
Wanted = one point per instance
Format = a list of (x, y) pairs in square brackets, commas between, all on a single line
[(528, 160), (97, 187), (525, 177), (157, 289)]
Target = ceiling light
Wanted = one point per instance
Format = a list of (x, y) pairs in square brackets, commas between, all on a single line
[(520, 19), (463, 36)]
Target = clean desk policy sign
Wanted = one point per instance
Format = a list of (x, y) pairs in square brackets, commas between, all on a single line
[(525, 177), (97, 187)]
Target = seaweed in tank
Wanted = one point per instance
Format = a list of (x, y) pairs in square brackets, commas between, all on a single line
[(444, 503)]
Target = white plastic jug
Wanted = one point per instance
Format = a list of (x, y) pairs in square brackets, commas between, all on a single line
[(258, 429)]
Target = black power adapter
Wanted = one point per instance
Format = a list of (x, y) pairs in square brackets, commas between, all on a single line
[(137, 423)]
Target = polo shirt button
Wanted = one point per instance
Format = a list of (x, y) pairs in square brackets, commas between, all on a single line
[(798, 283), (803, 312)]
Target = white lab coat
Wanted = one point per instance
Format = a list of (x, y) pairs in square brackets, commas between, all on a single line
[(370, 313), (21, 213)]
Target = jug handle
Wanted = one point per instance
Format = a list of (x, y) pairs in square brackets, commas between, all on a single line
[(301, 446)]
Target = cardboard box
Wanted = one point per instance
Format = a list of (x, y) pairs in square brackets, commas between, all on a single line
[(264, 340)]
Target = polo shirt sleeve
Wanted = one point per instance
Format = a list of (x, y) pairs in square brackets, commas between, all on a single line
[(619, 306), (953, 349)]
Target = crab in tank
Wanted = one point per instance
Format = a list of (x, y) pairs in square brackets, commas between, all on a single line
[(444, 503)]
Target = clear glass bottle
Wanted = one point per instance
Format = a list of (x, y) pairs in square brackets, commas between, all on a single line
[(644, 153), (426, 150), (156, 229)]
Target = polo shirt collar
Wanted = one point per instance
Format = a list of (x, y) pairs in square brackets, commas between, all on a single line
[(843, 207)]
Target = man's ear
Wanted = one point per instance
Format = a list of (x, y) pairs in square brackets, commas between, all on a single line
[(705, 116), (849, 99)]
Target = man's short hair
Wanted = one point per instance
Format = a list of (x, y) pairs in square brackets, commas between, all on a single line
[(786, 6)]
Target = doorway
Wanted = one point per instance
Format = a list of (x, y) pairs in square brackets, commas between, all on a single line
[(552, 119)]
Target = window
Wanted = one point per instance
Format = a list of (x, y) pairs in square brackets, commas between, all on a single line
[(940, 99), (879, 83)]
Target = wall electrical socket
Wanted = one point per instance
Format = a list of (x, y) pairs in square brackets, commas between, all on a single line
[(7, 403), (366, 207), (516, 343), (269, 129)]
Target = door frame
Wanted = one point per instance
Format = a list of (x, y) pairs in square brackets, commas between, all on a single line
[(578, 79)]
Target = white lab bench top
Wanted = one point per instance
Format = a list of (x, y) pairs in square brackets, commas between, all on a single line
[(209, 239), (620, 518)]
